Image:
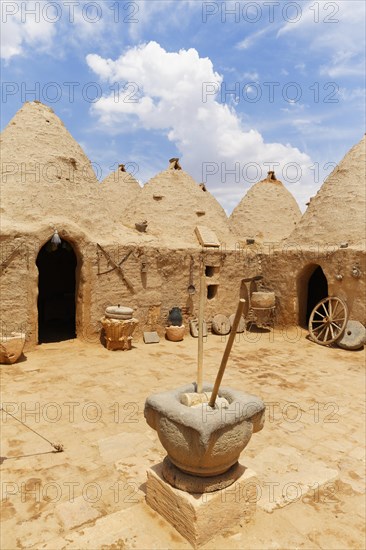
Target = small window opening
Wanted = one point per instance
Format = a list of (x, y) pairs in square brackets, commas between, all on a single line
[(211, 270), (212, 291)]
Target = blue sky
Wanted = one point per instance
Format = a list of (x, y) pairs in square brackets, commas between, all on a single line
[(232, 88)]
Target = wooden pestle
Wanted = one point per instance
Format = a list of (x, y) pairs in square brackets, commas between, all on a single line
[(227, 351), (200, 332)]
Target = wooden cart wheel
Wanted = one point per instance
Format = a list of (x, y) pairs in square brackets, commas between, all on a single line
[(328, 320)]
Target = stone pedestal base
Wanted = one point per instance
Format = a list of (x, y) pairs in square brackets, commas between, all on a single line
[(200, 516), (195, 484)]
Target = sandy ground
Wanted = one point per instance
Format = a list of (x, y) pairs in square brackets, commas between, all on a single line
[(91, 400)]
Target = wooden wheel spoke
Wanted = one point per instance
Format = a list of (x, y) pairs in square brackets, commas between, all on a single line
[(328, 320), (336, 307), (321, 332), (319, 327), (318, 313)]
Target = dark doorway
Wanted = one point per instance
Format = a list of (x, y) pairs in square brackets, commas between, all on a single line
[(317, 290), (56, 292)]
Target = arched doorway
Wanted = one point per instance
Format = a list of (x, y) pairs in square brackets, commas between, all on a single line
[(312, 286), (56, 292)]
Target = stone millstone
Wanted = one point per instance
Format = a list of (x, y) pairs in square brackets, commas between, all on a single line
[(241, 325), (119, 312), (221, 324), (193, 325), (354, 336), (195, 484)]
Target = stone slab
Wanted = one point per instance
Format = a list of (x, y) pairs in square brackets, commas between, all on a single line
[(287, 477), (135, 527), (122, 446), (198, 517), (151, 338), (358, 453), (193, 325), (76, 513), (206, 237)]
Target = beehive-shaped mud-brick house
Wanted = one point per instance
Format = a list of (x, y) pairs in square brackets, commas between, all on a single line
[(325, 254), (70, 245), (120, 190), (173, 204), (268, 212), (48, 185), (337, 212)]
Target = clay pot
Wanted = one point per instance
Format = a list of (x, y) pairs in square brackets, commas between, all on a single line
[(175, 334), (175, 317), (11, 347), (263, 299), (203, 441)]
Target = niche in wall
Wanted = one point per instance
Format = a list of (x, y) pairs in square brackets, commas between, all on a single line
[(212, 291), (211, 270)]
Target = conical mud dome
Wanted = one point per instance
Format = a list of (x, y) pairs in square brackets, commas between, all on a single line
[(173, 204), (338, 211), (268, 212), (45, 172), (119, 190)]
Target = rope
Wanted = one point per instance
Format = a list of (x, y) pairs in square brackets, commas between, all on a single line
[(57, 446)]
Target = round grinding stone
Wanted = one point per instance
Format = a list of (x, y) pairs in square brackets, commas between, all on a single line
[(119, 312), (354, 336), (221, 324), (241, 325)]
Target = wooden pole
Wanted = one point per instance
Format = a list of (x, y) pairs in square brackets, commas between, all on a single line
[(200, 331), (227, 351)]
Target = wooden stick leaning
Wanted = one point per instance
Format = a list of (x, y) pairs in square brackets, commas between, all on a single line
[(227, 351), (200, 332)]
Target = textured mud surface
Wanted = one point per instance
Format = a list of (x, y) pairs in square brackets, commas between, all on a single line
[(91, 400)]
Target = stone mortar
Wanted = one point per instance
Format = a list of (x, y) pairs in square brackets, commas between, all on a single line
[(202, 441)]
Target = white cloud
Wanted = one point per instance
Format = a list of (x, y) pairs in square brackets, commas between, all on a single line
[(253, 38), (20, 28), (336, 29), (253, 76), (170, 86), (353, 94)]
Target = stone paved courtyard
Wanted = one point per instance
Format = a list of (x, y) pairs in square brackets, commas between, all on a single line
[(309, 457)]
